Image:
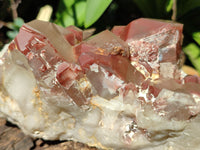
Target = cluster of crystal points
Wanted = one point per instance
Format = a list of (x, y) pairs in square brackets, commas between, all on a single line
[(119, 89)]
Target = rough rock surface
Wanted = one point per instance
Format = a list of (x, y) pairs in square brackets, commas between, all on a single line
[(119, 89), (12, 138)]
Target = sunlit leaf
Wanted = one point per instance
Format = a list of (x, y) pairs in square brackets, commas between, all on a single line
[(94, 9), (67, 20), (65, 17), (196, 37), (169, 6), (80, 8), (68, 3), (193, 52)]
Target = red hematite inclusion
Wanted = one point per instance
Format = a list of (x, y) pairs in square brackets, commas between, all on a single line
[(125, 84), (136, 53)]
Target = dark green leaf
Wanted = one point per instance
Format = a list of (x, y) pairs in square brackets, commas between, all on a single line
[(185, 6), (154, 8), (94, 9), (146, 7)]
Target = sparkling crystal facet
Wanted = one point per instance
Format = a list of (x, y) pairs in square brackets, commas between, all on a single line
[(119, 89)]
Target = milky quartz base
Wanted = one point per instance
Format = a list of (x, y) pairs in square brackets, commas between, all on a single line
[(105, 124)]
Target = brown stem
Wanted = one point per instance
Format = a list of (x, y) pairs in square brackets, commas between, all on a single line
[(174, 8), (2, 23), (14, 5), (5, 24)]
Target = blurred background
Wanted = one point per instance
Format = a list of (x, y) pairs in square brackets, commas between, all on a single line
[(104, 14)]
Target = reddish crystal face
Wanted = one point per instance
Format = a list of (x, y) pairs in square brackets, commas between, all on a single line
[(152, 41), (125, 84), (136, 57)]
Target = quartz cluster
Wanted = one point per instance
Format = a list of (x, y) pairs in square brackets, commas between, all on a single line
[(118, 89)]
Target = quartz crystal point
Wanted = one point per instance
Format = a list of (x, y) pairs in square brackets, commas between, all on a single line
[(152, 43), (119, 89)]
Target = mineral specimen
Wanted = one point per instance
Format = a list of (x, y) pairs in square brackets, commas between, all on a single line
[(119, 89)]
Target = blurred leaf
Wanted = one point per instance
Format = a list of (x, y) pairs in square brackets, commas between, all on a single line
[(94, 9), (14, 27), (191, 26), (80, 8), (196, 37), (154, 8), (193, 52), (67, 20), (18, 22), (68, 3), (12, 34), (146, 7), (5, 9), (65, 14), (169, 6), (191, 20), (184, 6), (11, 25)]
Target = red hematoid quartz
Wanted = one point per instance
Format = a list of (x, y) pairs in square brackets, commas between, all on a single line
[(143, 57)]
